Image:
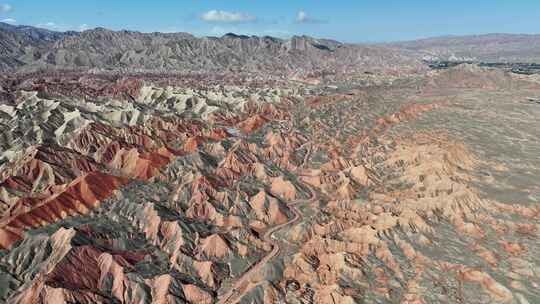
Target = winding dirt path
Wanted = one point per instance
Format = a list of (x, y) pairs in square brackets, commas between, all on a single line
[(239, 289)]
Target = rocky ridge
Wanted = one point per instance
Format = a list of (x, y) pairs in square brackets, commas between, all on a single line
[(104, 49)]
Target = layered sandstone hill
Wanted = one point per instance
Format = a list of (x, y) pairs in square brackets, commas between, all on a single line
[(144, 190), (158, 198), (397, 216)]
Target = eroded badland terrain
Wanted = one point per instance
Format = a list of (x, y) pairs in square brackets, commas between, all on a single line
[(397, 185)]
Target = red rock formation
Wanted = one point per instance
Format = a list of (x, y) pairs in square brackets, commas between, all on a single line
[(215, 246), (283, 188), (252, 123), (268, 209), (79, 197), (46, 166), (408, 112)]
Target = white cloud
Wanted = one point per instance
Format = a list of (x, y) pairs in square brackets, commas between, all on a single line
[(4, 8), (227, 17), (303, 17), (9, 20)]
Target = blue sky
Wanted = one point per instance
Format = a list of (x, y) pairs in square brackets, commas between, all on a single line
[(346, 20)]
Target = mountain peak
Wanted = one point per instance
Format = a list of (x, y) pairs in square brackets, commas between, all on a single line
[(235, 36)]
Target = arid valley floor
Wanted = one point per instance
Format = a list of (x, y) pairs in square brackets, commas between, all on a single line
[(409, 186)]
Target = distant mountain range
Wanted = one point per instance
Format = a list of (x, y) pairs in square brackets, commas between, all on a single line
[(485, 48), (26, 48)]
